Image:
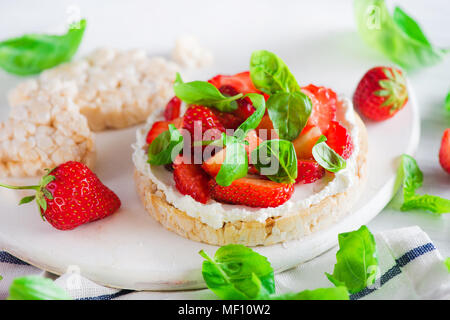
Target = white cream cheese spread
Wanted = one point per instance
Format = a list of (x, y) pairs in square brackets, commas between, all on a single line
[(215, 214)]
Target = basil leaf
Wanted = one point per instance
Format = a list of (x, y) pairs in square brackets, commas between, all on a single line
[(205, 94), (337, 293), (235, 165), (447, 102), (447, 263), (30, 54), (277, 160), (356, 261), (399, 38), (270, 74), (289, 113), (327, 157), (36, 288), (427, 202), (165, 147), (253, 121), (409, 26), (237, 272), (411, 177)]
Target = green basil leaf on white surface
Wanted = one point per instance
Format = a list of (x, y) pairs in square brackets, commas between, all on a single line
[(336, 293), (237, 272), (356, 260), (277, 160), (447, 102), (399, 37), (205, 94), (447, 263), (329, 159), (36, 288), (289, 113), (410, 177), (270, 74), (165, 147), (32, 53)]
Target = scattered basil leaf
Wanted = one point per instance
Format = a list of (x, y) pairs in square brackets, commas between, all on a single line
[(411, 177), (165, 147), (289, 113), (255, 118), (36, 288), (447, 102), (399, 38), (237, 272), (235, 165), (327, 157), (447, 263), (356, 261), (205, 94), (337, 293), (409, 26), (270, 74), (30, 54), (277, 160)]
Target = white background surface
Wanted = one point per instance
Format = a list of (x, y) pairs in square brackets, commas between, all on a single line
[(294, 29)]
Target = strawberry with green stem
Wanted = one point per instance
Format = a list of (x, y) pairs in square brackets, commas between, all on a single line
[(381, 93), (71, 195)]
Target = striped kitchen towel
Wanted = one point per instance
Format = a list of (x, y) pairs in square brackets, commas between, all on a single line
[(410, 268)]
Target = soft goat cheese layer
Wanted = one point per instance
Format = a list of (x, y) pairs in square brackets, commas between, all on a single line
[(215, 214)]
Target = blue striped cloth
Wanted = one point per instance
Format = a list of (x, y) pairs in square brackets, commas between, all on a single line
[(410, 268)]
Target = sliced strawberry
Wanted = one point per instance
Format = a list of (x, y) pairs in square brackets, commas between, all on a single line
[(444, 152), (240, 82), (161, 126), (245, 107), (324, 102), (213, 164), (265, 129), (308, 171), (304, 143), (190, 179), (203, 117), (252, 192), (252, 169), (339, 140), (172, 110), (228, 120)]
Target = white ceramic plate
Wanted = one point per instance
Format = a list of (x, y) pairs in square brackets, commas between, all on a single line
[(131, 250)]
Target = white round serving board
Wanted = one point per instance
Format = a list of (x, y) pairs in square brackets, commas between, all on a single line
[(130, 249)]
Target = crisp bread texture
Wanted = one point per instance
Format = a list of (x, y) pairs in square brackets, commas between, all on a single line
[(254, 233)]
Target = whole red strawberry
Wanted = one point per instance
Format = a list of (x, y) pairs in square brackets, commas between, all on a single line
[(444, 152), (381, 93), (71, 195)]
